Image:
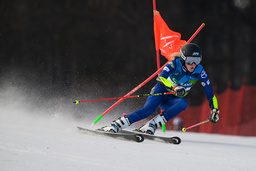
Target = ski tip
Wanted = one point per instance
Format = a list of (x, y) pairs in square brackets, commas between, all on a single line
[(139, 138), (176, 140)]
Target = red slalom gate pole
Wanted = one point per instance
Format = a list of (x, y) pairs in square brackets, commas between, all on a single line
[(157, 46), (144, 82), (197, 31)]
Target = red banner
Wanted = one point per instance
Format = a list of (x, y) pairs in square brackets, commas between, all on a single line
[(167, 40)]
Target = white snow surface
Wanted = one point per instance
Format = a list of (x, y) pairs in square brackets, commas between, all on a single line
[(36, 143), (44, 137)]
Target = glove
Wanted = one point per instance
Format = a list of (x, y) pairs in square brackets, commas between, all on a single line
[(214, 118), (179, 90)]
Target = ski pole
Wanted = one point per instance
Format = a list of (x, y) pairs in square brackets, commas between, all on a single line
[(115, 98), (185, 129)]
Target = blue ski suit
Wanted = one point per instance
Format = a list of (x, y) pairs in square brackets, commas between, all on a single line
[(172, 105)]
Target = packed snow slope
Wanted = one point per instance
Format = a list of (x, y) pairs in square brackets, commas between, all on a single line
[(53, 143), (38, 134)]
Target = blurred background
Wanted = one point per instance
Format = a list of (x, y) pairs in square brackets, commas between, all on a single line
[(53, 53)]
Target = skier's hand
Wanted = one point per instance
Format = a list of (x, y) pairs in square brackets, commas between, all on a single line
[(179, 91), (214, 118)]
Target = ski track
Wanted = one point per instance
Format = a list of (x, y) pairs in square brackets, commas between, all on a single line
[(58, 145)]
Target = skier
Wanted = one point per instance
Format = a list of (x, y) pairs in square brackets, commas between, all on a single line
[(178, 76)]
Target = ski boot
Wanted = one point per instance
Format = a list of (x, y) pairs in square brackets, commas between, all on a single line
[(151, 126), (117, 125)]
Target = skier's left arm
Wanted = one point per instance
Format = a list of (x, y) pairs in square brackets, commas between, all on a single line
[(205, 82)]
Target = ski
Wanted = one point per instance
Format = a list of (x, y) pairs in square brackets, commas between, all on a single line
[(121, 136), (171, 140)]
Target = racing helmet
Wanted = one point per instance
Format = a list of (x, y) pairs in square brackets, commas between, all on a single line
[(190, 53)]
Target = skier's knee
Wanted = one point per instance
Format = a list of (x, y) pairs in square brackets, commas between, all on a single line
[(183, 104)]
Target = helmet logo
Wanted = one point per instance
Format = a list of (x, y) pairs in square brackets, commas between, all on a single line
[(195, 54)]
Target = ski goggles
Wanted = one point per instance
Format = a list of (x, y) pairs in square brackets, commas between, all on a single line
[(190, 60)]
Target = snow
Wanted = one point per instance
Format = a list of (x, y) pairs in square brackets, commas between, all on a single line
[(45, 143), (31, 139)]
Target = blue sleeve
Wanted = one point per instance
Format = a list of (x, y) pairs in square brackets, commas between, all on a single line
[(205, 82)]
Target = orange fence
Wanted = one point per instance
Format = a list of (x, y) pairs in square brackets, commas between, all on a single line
[(237, 113)]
